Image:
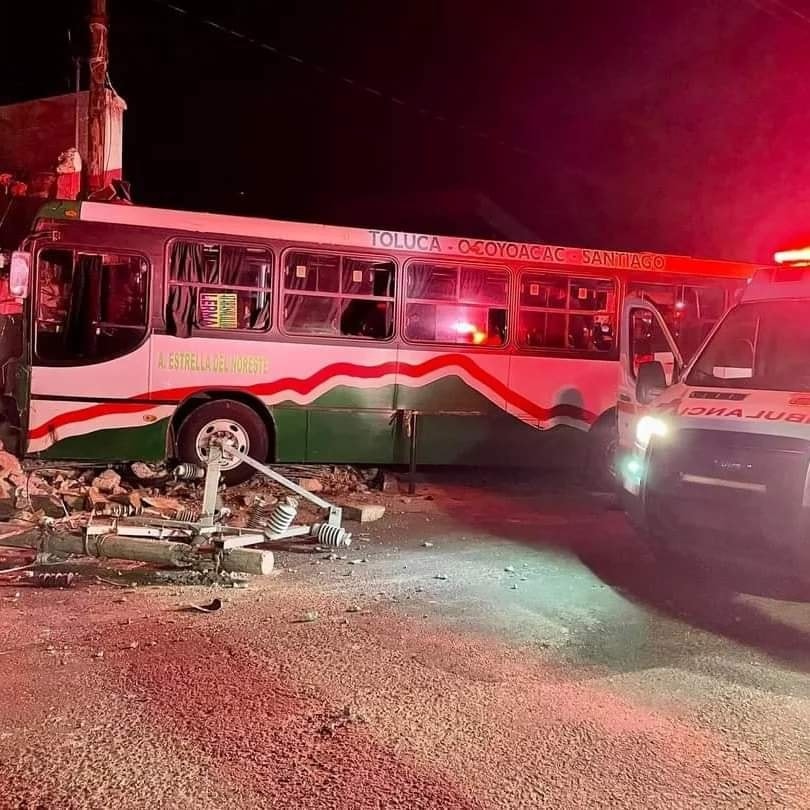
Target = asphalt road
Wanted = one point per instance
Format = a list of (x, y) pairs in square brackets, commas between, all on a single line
[(494, 644)]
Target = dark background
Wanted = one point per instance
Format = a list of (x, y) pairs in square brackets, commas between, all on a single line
[(675, 125)]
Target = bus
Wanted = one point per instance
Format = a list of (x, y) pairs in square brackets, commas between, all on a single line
[(144, 332)]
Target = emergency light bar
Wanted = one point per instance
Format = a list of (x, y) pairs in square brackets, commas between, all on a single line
[(799, 255)]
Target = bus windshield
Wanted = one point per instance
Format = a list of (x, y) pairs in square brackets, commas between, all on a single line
[(762, 345)]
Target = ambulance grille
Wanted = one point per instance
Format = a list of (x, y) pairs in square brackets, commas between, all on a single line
[(728, 482)]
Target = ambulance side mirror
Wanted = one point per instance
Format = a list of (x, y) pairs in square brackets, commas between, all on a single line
[(650, 382)]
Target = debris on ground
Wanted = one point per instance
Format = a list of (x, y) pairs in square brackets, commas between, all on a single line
[(10, 466), (309, 616), (363, 512), (336, 722), (63, 500), (213, 606), (146, 472), (192, 576), (310, 484), (50, 579), (389, 482), (108, 482)]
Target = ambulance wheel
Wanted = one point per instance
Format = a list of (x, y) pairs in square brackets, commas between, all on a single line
[(225, 419)]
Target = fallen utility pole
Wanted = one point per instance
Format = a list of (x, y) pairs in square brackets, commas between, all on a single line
[(158, 552)]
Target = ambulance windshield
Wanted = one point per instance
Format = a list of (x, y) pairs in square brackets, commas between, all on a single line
[(762, 345)]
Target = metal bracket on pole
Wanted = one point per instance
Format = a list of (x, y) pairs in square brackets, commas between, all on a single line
[(209, 528), (213, 468), (334, 513)]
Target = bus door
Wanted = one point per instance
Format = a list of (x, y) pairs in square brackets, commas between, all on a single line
[(89, 314), (14, 363), (644, 338)]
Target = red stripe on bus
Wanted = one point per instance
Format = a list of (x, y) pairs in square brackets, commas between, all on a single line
[(305, 386)]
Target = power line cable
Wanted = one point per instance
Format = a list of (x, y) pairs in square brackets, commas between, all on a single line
[(425, 112), (758, 5), (779, 10), (788, 9)]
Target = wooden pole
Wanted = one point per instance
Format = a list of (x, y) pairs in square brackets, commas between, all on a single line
[(97, 99)]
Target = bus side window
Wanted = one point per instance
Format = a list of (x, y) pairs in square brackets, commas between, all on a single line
[(448, 303), (331, 295), (561, 312), (213, 286)]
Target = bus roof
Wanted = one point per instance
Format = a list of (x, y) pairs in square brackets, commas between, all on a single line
[(418, 243)]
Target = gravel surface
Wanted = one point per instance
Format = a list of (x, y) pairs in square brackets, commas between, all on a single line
[(486, 649)]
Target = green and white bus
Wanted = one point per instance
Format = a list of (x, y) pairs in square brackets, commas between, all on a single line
[(141, 333)]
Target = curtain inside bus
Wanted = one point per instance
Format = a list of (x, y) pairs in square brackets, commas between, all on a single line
[(194, 266), (186, 265), (80, 322)]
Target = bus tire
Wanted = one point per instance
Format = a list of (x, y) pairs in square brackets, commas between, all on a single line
[(228, 418), (603, 442)]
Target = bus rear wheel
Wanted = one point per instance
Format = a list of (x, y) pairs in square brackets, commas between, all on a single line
[(224, 419)]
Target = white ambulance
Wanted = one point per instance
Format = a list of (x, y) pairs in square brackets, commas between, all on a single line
[(717, 451)]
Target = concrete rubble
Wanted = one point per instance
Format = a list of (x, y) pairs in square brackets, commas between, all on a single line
[(61, 497)]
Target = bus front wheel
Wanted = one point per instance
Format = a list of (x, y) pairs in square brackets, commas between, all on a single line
[(225, 419)]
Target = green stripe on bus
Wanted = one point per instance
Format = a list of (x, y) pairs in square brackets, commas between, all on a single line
[(456, 425), (60, 209), (142, 443)]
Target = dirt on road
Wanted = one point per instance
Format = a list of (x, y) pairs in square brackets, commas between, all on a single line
[(482, 649)]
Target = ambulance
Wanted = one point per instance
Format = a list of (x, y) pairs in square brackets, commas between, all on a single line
[(716, 451)]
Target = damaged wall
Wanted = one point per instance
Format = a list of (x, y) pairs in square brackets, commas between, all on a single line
[(34, 134)]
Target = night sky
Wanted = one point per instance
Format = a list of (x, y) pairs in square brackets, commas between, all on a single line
[(676, 125)]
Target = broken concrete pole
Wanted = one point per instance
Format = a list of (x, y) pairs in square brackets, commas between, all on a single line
[(159, 552), (363, 512), (310, 484), (248, 561)]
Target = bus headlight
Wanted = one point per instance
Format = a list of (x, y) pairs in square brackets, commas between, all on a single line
[(649, 426)]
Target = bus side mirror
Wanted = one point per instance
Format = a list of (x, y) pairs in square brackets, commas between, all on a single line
[(651, 381), (19, 274)]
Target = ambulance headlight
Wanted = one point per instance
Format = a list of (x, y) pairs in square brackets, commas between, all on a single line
[(649, 426)]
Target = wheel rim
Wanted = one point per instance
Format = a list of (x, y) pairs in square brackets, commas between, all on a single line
[(228, 431)]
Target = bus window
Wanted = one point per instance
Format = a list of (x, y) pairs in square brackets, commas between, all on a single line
[(218, 287), (89, 307), (456, 304), (330, 295), (559, 312)]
